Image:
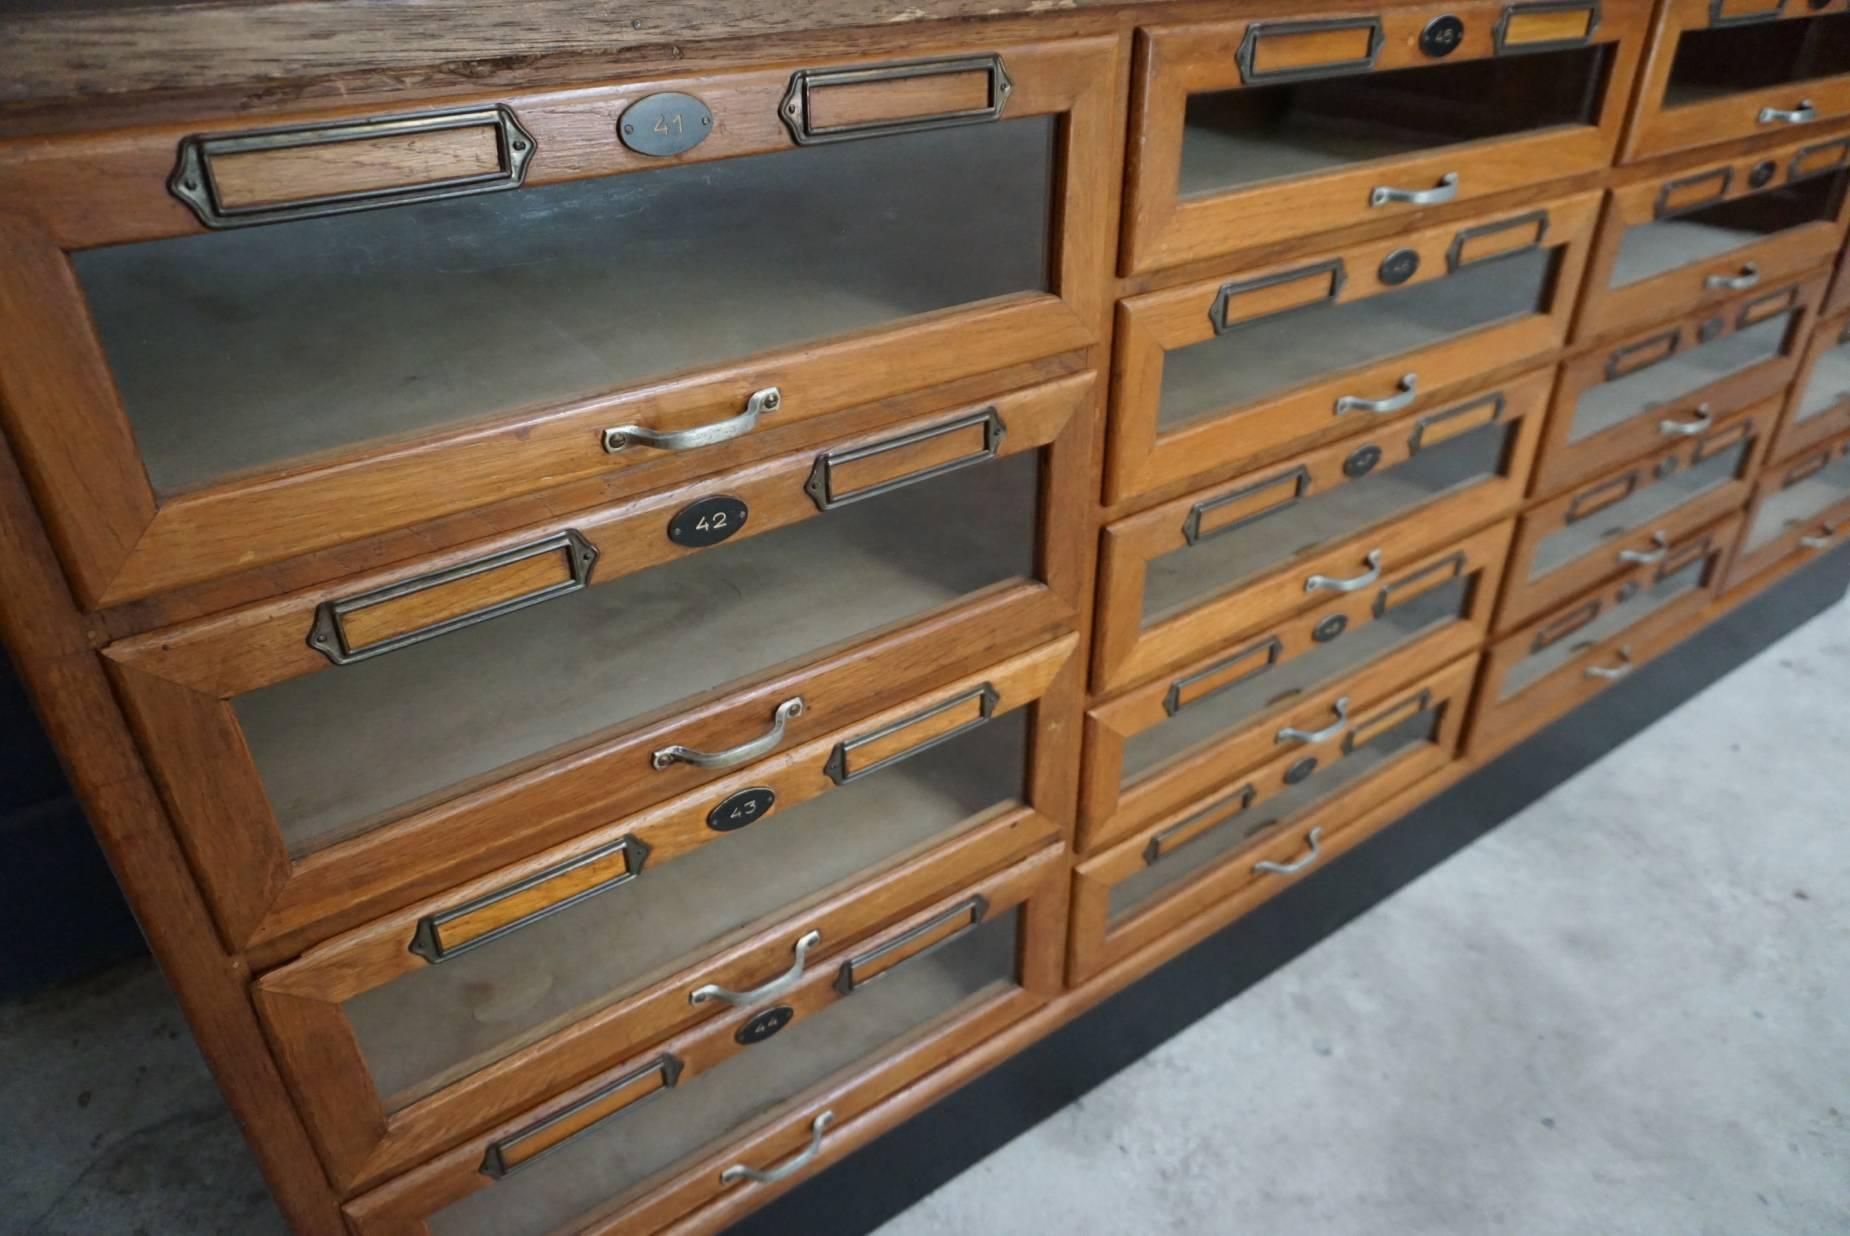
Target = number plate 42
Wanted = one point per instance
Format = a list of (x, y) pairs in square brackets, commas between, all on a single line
[(708, 521)]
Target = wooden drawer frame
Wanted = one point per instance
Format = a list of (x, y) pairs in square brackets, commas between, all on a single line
[(301, 1003), (1525, 599), (177, 685), (1606, 310), (1174, 61), (119, 542), (1109, 808), (1037, 885), (1838, 299), (1096, 944), (1142, 459), (1813, 536), (1126, 652), (1498, 724), (1563, 463), (1657, 130), (1796, 435)]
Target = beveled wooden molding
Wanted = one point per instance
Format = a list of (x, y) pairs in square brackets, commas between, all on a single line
[(51, 650)]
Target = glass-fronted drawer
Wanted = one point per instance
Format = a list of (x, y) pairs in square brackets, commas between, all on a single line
[(1819, 405), (1271, 823), (1727, 69), (748, 1098), (1800, 506), (313, 333), (455, 715), (1572, 653), (1192, 573), (454, 1009), (1625, 399), (1252, 131), (1632, 516), (1212, 373), (1164, 744), (1695, 237)]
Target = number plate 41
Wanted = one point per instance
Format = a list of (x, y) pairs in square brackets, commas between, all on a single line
[(665, 124)]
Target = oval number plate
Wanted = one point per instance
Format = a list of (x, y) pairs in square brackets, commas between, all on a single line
[(665, 124), (708, 521), (745, 807)]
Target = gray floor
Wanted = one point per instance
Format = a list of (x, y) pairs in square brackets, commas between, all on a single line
[(1625, 1011)]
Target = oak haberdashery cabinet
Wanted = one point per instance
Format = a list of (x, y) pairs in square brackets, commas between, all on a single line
[(634, 599)]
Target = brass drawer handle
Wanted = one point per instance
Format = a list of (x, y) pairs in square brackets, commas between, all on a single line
[(1641, 557), (1825, 540), (767, 991), (1318, 583), (1443, 192), (770, 399), (739, 1171), (732, 757), (1314, 837), (1408, 385), (1613, 672), (1690, 428), (1293, 734), (1799, 115), (1749, 276)]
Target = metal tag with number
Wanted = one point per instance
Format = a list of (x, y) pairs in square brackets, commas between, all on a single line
[(665, 124), (708, 521)]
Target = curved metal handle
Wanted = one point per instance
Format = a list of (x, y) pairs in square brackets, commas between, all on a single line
[(1620, 670), (739, 1171), (1749, 276), (1799, 115), (1319, 582), (1408, 385), (1688, 429), (1828, 539), (1444, 191), (769, 991), (764, 744), (767, 400), (1292, 734), (1642, 557), (1314, 837)]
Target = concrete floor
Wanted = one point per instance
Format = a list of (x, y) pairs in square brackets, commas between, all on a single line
[(1625, 1011)]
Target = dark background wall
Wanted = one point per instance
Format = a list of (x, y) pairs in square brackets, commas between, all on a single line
[(61, 913)]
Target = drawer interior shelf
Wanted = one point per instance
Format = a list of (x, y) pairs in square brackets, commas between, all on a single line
[(1581, 537), (1609, 404), (1799, 502), (1657, 246), (243, 351), (1726, 60)]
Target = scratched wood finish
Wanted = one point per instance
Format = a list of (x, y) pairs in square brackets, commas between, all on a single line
[(1661, 126), (1144, 457), (1162, 228)]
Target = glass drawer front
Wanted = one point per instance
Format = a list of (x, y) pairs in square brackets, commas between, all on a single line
[(564, 1187), (438, 1023), (1658, 246), (1233, 707), (1269, 355), (1799, 501), (1219, 562), (1613, 618), (248, 349), (1244, 826), (1234, 139), (1718, 62), (1581, 537), (341, 751), (1829, 383), (1608, 404)]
